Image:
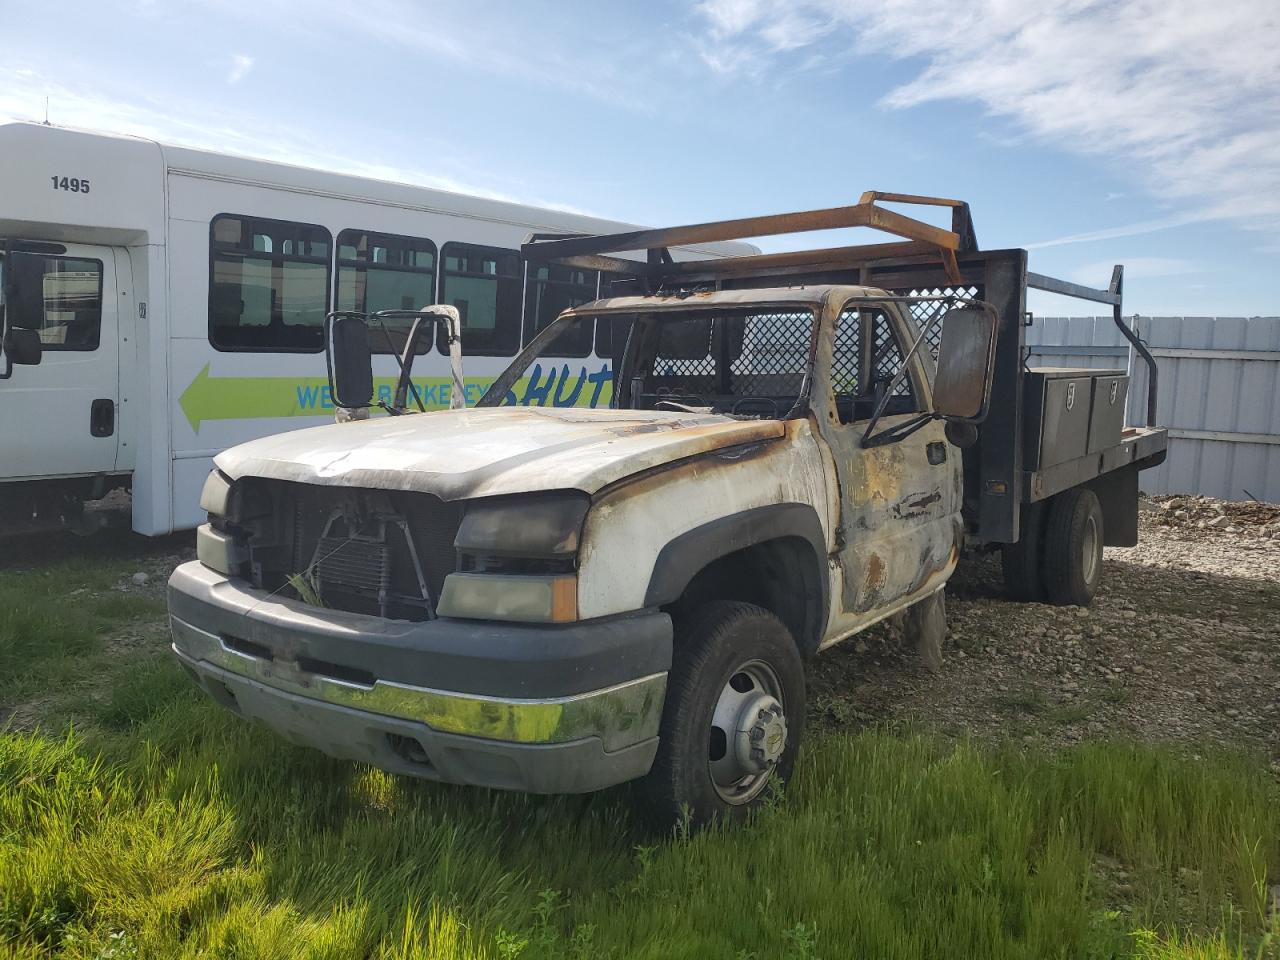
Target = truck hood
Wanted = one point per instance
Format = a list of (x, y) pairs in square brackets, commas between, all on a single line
[(457, 454)]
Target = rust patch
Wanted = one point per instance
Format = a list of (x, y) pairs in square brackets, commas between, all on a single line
[(876, 574), (880, 477)]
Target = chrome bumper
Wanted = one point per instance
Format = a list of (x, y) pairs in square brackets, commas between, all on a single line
[(619, 715)]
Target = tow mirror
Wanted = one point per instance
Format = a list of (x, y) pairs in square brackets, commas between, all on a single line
[(350, 362), (966, 360)]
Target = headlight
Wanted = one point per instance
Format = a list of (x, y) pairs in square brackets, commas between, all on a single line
[(216, 496), (496, 596), (517, 559), (218, 551), (543, 525)]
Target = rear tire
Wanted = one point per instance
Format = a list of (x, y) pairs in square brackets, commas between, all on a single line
[(1021, 562), (1073, 548), (733, 718)]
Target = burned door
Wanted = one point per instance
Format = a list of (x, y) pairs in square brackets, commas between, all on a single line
[(898, 528)]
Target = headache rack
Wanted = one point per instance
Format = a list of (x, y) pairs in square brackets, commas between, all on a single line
[(931, 264)]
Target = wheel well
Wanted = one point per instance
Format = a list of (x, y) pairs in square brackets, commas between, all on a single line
[(779, 575)]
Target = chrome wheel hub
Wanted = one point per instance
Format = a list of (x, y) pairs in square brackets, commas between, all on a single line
[(748, 732), (1089, 546)]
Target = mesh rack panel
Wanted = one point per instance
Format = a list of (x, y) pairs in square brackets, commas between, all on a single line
[(928, 311), (765, 354)]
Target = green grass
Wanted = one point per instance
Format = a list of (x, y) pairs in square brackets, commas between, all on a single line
[(166, 827), (197, 834), (54, 625)]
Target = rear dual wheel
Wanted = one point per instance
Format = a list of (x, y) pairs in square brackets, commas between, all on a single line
[(733, 717), (1058, 558)]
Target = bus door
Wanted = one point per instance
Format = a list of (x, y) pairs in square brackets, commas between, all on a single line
[(61, 417)]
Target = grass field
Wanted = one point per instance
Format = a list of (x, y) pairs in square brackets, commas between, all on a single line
[(139, 820)]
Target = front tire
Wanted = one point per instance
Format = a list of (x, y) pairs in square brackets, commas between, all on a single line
[(1073, 548), (733, 718)]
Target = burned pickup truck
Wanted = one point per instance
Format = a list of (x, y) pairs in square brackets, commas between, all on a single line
[(550, 599)]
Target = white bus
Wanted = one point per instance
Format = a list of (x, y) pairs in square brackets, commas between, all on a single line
[(179, 295)]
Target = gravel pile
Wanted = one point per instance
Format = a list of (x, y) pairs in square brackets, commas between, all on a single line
[(1205, 513), (1182, 644)]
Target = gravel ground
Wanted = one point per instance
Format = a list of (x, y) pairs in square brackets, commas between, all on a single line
[(1182, 644)]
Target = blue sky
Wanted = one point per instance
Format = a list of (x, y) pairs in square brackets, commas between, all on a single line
[(1143, 132)]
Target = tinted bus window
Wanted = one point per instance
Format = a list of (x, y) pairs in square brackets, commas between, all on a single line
[(552, 289), (611, 335), (378, 271), (484, 283), (269, 284)]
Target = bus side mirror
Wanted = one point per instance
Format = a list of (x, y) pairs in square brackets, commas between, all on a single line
[(350, 362), (966, 361), (22, 346)]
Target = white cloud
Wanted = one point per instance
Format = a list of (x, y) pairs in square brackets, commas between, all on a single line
[(1127, 230), (1135, 268), (1181, 94), (189, 124), (241, 64)]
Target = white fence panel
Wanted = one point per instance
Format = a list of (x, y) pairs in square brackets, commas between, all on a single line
[(1219, 394)]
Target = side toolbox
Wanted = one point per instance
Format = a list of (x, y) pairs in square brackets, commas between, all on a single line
[(1106, 416), (1056, 425)]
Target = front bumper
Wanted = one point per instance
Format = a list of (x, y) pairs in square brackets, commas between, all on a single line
[(547, 709)]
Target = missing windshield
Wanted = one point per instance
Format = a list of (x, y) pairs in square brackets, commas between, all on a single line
[(745, 363)]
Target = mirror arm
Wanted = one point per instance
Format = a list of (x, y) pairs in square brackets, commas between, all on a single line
[(404, 383), (899, 432)]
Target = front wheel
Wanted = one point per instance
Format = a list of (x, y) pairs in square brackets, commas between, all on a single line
[(733, 717)]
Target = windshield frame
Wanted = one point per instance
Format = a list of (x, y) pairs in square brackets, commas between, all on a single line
[(670, 310)]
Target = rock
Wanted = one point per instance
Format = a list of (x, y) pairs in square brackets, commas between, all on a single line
[(1220, 523), (140, 578)]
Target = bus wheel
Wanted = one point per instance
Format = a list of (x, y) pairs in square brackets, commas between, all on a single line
[(1073, 548)]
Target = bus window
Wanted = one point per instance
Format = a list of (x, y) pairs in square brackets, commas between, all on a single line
[(378, 271), (269, 284), (484, 284), (551, 289), (611, 334)]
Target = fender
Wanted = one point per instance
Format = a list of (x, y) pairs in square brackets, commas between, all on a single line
[(681, 559)]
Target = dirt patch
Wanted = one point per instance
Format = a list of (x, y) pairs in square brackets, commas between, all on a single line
[(1182, 644)]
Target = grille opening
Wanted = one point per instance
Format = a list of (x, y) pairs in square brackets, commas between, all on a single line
[(336, 671), (247, 647), (408, 749), (374, 552)]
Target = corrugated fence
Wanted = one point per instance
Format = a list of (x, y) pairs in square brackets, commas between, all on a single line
[(1219, 394)]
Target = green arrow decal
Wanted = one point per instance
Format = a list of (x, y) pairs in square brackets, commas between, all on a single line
[(237, 398), (250, 398)]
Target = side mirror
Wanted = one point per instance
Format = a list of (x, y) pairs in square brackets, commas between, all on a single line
[(966, 360), (350, 362), (23, 346)]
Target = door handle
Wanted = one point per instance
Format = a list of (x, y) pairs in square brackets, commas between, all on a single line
[(102, 418)]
